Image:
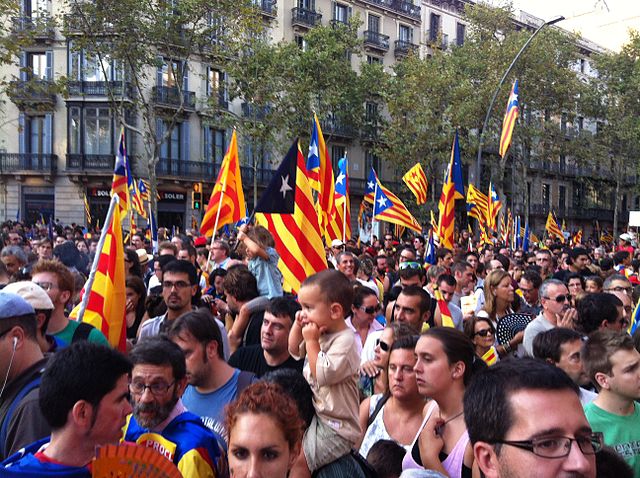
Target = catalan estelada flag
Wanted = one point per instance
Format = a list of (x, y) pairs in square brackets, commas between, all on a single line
[(552, 228), (226, 204), (388, 207), (509, 121), (477, 204), (443, 307), (340, 225), (494, 207), (416, 181), (120, 184), (107, 297), (320, 174), (297, 235), (447, 203)]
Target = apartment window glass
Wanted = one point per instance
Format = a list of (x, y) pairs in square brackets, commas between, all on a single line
[(337, 153), (36, 130), (214, 145), (562, 197), (171, 73), (373, 23), (37, 64), (374, 60), (340, 13), (98, 131), (461, 31), (75, 130), (301, 42), (405, 33), (546, 195), (371, 161), (371, 112), (434, 26), (36, 8), (307, 4), (171, 146)]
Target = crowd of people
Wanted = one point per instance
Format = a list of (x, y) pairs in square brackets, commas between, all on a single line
[(489, 362)]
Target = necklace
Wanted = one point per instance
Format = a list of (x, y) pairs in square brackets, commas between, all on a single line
[(440, 428)]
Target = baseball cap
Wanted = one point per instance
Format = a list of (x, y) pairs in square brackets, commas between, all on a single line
[(12, 305), (626, 237), (337, 243), (32, 293)]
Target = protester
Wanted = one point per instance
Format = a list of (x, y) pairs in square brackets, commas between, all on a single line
[(482, 332)]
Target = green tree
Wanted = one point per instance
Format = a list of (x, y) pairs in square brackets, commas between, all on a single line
[(170, 39)]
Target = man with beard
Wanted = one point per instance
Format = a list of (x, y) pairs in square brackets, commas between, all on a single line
[(212, 383), (556, 312), (160, 420)]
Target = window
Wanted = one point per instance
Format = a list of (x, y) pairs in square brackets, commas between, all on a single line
[(170, 148), (217, 84), (75, 130), (371, 112), (340, 13), (37, 64), (578, 191), (374, 60), (337, 153), (214, 144), (84, 66), (371, 161), (434, 26), (562, 197), (301, 42), (373, 23), (36, 8), (405, 33), (307, 4), (461, 31), (546, 195), (35, 133), (98, 131), (173, 74), (35, 125)]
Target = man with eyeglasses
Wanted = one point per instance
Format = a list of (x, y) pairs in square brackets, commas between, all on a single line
[(529, 285), (600, 311), (160, 420), (179, 285), (556, 312), (545, 262), (617, 284), (613, 363), (525, 420)]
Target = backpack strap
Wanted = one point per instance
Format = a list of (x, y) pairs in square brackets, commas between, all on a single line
[(82, 332), (376, 410), (4, 430), (244, 380)]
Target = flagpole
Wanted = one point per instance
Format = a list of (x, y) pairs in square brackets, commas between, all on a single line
[(96, 259), (373, 210), (346, 198)]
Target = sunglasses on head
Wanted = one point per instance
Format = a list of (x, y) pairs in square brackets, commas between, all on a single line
[(409, 265), (484, 332), (370, 310), (385, 347)]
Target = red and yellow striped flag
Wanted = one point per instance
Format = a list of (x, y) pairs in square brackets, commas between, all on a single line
[(320, 175), (490, 357), (509, 121), (552, 228), (340, 226), (416, 181), (119, 185), (443, 307), (107, 297), (297, 236), (477, 204), (226, 204), (447, 204)]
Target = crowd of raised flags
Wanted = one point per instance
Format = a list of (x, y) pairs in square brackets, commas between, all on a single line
[(305, 207)]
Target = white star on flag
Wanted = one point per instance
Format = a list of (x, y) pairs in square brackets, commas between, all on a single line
[(313, 149), (341, 177), (371, 185), (382, 202), (285, 186)]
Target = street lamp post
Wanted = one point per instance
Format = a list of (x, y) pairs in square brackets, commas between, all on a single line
[(495, 94)]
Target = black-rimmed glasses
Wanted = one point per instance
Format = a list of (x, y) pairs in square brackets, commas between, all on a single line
[(559, 447), (158, 388)]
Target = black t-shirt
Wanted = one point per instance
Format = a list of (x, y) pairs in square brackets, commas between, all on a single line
[(252, 333), (251, 359)]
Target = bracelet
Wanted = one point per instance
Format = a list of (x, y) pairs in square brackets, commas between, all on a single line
[(507, 347)]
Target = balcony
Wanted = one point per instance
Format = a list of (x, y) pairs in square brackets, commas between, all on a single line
[(376, 40), (118, 89), (402, 48), (259, 113), (582, 213), (436, 40), (267, 7), (304, 18), (337, 128), (185, 169), (401, 7), (21, 163), (173, 98), (34, 94), (38, 28), (91, 162), (369, 133)]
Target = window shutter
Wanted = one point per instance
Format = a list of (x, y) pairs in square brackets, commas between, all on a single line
[(47, 134), (49, 68), (184, 138), (22, 133), (23, 66), (185, 76)]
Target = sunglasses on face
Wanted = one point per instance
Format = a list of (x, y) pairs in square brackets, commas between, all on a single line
[(484, 332), (561, 298), (409, 265), (385, 347), (370, 310)]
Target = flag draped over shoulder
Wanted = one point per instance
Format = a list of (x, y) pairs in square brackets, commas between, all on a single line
[(320, 174), (509, 121), (443, 307), (107, 297), (297, 235), (388, 207), (552, 227), (416, 181), (340, 226), (477, 204), (494, 207), (226, 204), (447, 203), (120, 183)]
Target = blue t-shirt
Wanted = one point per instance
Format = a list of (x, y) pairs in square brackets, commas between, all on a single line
[(210, 406), (267, 274)]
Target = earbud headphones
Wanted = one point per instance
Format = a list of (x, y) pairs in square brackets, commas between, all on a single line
[(13, 354), (15, 342)]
